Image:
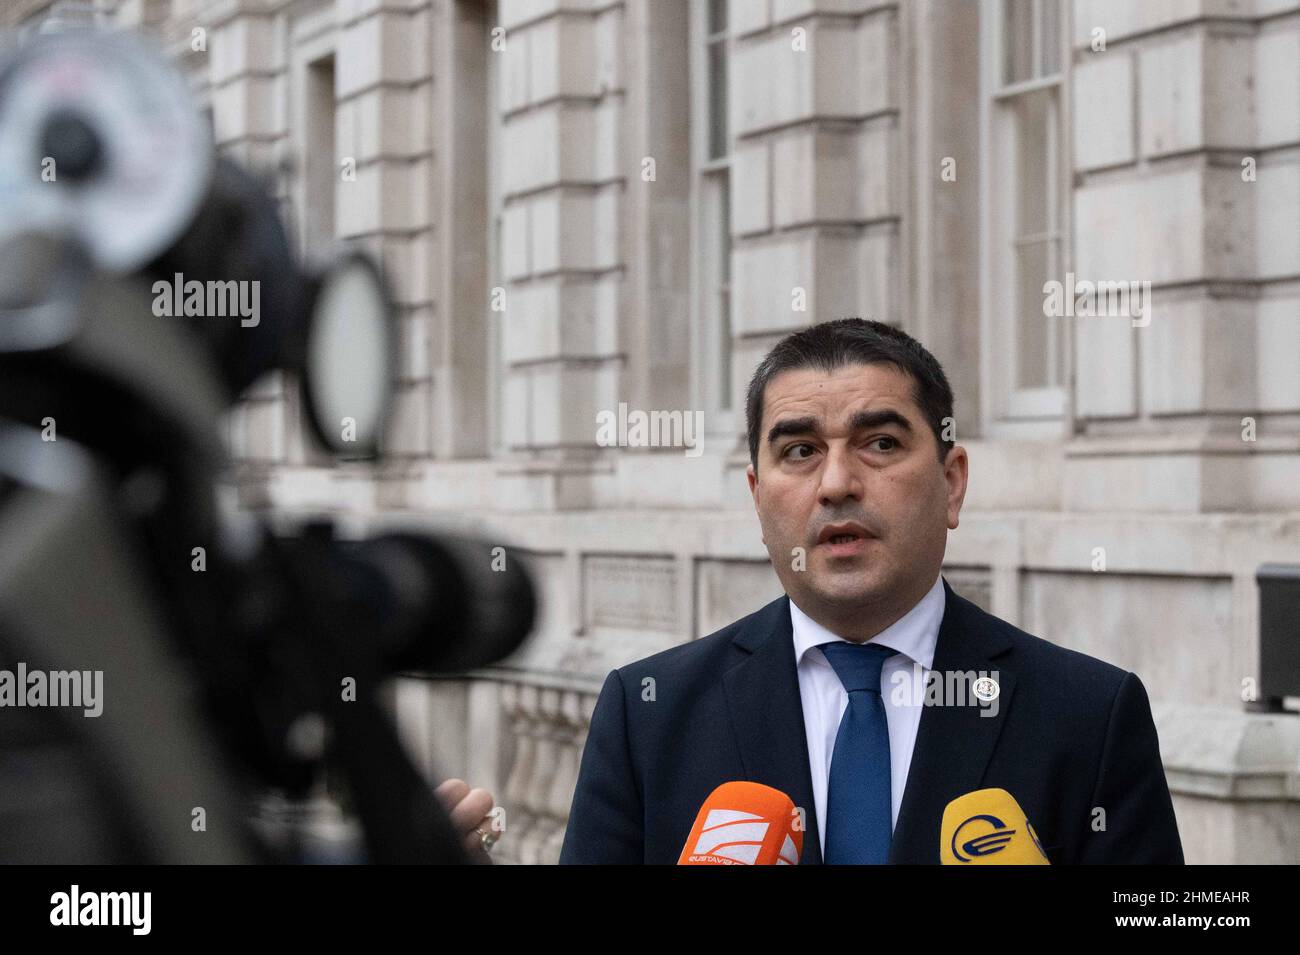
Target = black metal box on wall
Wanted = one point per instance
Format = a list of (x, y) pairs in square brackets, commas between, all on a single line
[(1279, 635)]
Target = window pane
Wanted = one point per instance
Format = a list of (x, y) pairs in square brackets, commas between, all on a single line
[(321, 177), (717, 100), (717, 16), (1031, 342), (1049, 37), (724, 292), (715, 288), (1031, 114), (1018, 40)]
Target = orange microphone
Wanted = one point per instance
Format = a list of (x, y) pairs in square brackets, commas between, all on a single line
[(745, 824)]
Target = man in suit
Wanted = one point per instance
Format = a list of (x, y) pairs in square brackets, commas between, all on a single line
[(834, 692)]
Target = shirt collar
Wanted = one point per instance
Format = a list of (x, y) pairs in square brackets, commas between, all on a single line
[(914, 634)]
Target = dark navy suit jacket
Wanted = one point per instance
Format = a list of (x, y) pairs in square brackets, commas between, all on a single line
[(1072, 735)]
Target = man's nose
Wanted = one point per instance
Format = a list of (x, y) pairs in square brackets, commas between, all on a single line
[(840, 476)]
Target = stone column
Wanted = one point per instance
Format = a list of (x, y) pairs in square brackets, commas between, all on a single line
[(565, 184), (656, 316), (815, 208), (941, 135), (386, 195), (458, 339), (1187, 176), (248, 93)]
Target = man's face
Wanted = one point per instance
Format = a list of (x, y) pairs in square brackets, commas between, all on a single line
[(853, 447)]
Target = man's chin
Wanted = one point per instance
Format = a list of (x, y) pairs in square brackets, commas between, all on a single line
[(851, 594)]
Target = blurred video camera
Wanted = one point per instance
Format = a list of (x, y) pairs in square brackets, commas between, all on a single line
[(145, 284)]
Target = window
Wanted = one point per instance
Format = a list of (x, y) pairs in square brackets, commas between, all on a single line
[(1025, 208), (465, 340), (310, 218), (711, 202), (320, 170)]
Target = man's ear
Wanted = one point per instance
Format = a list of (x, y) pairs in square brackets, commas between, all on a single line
[(956, 473), (752, 476)]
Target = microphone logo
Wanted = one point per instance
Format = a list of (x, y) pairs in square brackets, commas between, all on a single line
[(744, 823), (988, 827), (730, 836), (995, 837)]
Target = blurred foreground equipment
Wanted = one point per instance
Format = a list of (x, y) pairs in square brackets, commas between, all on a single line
[(145, 283)]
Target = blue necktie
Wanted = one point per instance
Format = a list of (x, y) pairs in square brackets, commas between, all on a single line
[(858, 825)]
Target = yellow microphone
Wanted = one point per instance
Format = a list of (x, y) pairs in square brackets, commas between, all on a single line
[(988, 827)]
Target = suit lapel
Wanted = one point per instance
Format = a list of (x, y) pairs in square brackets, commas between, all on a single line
[(953, 743), (767, 716)]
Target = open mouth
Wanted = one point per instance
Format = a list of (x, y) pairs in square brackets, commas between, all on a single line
[(848, 532), (845, 542), (844, 546)]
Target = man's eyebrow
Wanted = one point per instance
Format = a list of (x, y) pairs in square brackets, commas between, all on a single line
[(791, 426), (875, 419), (861, 421)]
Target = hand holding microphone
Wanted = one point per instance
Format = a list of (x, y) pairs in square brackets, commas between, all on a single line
[(471, 816)]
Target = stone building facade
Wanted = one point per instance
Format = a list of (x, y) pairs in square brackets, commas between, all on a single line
[(595, 204)]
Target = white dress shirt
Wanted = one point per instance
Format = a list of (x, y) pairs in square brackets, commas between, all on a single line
[(902, 682)]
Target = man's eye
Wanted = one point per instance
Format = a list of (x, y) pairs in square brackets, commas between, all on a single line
[(892, 442), (799, 445)]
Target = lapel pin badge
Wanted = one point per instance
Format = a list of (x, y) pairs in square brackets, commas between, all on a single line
[(986, 689)]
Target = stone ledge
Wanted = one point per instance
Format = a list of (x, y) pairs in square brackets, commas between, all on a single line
[(1224, 754), (1146, 445)]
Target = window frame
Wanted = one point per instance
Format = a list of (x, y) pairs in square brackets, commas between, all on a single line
[(709, 327), (1007, 408)]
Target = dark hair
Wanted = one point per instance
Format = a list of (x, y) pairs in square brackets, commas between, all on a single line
[(853, 341)]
